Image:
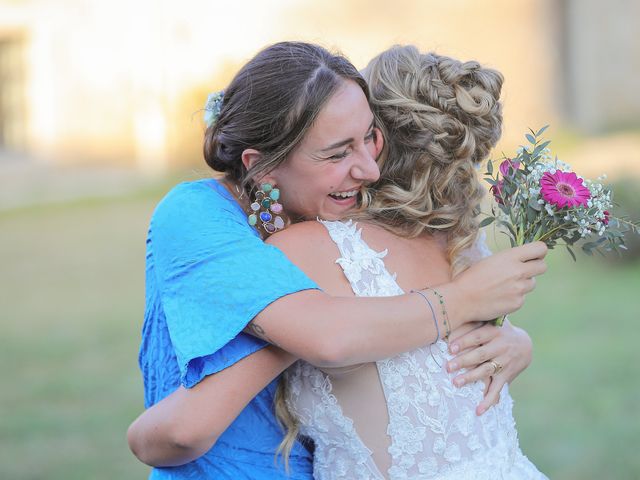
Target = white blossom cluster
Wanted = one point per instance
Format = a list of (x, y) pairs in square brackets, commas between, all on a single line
[(587, 220), (599, 203), (521, 209)]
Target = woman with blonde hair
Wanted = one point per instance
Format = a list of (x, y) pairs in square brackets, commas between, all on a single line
[(295, 117), (401, 417)]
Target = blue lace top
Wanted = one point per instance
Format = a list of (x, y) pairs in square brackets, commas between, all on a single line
[(208, 274)]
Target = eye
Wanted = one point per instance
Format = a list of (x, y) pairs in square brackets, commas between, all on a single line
[(370, 136), (340, 156)]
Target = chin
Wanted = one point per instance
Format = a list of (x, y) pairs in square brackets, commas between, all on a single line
[(333, 216)]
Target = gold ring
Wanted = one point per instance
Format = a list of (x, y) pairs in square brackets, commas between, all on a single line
[(497, 368)]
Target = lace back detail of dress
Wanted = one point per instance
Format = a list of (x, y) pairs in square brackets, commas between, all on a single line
[(434, 430), (340, 453)]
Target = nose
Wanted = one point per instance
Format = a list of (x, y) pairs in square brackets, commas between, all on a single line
[(365, 167)]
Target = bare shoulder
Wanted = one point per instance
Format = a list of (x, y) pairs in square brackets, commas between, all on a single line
[(306, 236), (308, 245)]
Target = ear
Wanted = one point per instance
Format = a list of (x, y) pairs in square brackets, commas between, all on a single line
[(379, 142), (249, 157)]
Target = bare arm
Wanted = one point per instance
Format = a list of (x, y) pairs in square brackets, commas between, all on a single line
[(187, 423), (337, 331), (326, 331)]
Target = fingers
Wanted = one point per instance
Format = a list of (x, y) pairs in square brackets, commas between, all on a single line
[(474, 338), (481, 372), (492, 395), (531, 251), (487, 383), (533, 268), (529, 285)]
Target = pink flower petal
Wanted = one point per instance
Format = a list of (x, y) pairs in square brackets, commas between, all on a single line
[(564, 189), (504, 167)]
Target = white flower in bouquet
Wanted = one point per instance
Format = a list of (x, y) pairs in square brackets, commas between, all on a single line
[(538, 197)]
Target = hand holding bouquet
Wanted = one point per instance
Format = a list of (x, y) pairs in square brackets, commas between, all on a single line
[(540, 198)]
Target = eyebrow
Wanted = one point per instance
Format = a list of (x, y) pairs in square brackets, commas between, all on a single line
[(344, 142)]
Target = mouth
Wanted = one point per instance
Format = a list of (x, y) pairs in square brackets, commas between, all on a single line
[(345, 196)]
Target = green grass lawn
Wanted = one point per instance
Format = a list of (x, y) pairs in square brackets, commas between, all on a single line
[(71, 306)]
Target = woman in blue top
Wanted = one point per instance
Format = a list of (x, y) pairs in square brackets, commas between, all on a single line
[(220, 302)]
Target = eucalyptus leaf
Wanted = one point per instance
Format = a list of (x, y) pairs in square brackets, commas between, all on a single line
[(487, 221), (541, 131), (533, 203), (587, 251), (539, 148), (509, 227)]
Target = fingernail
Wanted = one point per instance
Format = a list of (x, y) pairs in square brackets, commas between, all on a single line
[(453, 366), (459, 382), (454, 348)]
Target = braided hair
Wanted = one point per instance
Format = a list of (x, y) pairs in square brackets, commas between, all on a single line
[(440, 118)]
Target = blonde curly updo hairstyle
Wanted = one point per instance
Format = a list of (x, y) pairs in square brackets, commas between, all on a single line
[(440, 118)]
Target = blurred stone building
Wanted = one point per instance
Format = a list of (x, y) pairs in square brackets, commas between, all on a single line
[(599, 63), (120, 82)]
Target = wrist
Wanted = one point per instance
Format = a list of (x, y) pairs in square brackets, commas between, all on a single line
[(458, 310)]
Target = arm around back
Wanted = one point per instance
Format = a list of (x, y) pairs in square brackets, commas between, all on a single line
[(337, 331), (328, 330), (187, 423)]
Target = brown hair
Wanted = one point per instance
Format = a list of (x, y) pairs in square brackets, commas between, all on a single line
[(440, 118), (271, 103), (269, 106)]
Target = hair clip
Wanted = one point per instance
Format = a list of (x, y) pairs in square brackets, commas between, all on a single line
[(213, 107)]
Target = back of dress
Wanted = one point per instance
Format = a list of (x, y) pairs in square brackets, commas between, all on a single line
[(400, 418)]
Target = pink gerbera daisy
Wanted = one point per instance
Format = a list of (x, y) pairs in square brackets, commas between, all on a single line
[(564, 189)]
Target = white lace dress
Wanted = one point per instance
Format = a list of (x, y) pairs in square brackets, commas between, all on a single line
[(430, 427)]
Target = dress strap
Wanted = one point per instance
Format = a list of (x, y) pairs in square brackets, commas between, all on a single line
[(362, 266)]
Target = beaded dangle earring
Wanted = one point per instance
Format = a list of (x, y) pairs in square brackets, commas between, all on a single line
[(265, 207)]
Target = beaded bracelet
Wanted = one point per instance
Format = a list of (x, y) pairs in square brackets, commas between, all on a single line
[(433, 313), (445, 316)]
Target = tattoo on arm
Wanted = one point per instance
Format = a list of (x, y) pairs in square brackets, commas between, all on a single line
[(258, 331)]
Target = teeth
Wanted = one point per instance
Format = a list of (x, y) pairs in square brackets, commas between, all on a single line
[(345, 194)]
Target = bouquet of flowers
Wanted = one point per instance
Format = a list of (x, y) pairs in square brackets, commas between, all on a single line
[(538, 197)]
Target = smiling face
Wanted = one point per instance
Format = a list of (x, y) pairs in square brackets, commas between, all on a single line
[(325, 172)]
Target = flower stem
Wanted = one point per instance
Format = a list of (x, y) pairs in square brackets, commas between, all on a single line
[(547, 235)]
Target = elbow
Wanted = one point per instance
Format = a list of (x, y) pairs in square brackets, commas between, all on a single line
[(189, 444), (176, 447), (136, 445), (330, 353)]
